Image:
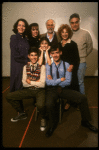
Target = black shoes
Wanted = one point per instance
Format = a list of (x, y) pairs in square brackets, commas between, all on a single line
[(20, 116), (49, 132), (89, 126)]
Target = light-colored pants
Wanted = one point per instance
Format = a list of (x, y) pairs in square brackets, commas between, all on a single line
[(81, 75)]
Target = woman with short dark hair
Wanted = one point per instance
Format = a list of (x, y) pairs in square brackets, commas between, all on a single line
[(19, 51)]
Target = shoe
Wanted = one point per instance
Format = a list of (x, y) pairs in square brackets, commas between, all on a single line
[(89, 126), (43, 125), (20, 116), (49, 132)]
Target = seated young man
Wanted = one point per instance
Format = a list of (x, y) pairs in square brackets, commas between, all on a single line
[(58, 80), (33, 82)]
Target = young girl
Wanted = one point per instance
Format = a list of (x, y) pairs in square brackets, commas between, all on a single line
[(44, 51)]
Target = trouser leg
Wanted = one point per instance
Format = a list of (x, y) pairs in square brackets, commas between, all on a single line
[(14, 98), (80, 99), (40, 101), (51, 99), (81, 75)]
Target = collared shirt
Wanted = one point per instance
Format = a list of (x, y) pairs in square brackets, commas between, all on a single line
[(40, 84), (33, 66), (55, 81), (68, 41), (51, 38)]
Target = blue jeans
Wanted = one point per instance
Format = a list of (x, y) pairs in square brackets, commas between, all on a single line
[(81, 75)]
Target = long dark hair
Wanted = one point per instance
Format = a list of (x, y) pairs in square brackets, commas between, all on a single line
[(16, 24), (45, 39), (29, 30)]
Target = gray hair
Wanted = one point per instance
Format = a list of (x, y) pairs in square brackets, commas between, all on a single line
[(50, 19)]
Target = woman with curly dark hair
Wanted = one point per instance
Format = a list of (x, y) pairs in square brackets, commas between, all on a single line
[(70, 54), (19, 51)]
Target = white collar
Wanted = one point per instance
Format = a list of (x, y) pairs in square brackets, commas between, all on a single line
[(48, 35), (68, 41), (33, 64)]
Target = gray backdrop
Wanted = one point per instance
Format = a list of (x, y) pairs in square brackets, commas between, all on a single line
[(40, 12)]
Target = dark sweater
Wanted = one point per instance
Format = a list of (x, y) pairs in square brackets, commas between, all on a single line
[(34, 42), (70, 54), (55, 40)]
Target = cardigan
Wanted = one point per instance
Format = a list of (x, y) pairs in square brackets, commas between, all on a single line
[(70, 53), (55, 41), (19, 52)]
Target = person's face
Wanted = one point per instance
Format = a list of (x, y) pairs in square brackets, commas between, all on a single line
[(56, 55), (74, 22), (21, 27), (64, 34), (33, 57), (34, 31), (50, 26), (44, 45)]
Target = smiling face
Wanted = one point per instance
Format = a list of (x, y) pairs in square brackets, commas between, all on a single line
[(44, 45), (50, 26), (33, 57), (34, 31), (21, 27), (64, 34), (74, 22), (56, 55)]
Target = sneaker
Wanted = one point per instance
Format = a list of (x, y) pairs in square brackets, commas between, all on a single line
[(20, 116), (43, 125)]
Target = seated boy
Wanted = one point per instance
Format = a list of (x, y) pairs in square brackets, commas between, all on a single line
[(33, 82), (58, 81)]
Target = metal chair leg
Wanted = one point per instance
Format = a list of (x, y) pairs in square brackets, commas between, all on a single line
[(60, 110), (36, 114)]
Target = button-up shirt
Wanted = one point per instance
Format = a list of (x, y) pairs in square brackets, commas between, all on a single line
[(51, 38), (55, 81)]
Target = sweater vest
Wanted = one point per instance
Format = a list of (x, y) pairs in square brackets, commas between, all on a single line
[(33, 75)]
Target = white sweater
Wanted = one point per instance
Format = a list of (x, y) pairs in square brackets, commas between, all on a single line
[(84, 42)]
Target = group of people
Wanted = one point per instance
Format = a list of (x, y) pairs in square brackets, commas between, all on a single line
[(47, 67)]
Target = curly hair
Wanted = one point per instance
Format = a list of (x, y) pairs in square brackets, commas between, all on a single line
[(29, 30), (67, 27), (16, 24)]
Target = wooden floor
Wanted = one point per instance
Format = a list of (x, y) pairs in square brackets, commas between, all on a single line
[(69, 133)]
